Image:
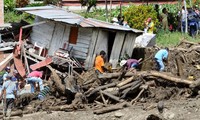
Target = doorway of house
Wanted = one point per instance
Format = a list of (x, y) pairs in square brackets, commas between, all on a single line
[(111, 39)]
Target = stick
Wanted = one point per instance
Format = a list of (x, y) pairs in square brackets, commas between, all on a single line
[(134, 100), (104, 101)]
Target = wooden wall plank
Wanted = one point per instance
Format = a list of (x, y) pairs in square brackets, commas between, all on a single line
[(116, 49), (128, 44), (101, 44), (92, 46), (42, 36), (57, 38)]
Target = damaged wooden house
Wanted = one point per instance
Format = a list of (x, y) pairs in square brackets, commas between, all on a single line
[(56, 30)]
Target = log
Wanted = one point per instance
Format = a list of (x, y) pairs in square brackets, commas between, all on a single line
[(73, 71), (89, 81), (112, 96), (126, 91), (124, 82), (129, 85), (104, 101), (18, 113), (101, 88), (180, 67), (110, 108), (59, 86), (169, 78), (114, 75)]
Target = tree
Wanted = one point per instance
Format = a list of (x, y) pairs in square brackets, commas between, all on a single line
[(88, 3)]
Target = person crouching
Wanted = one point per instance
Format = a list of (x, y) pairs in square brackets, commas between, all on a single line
[(33, 78)]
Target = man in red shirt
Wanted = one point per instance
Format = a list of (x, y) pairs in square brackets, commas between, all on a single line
[(35, 77)]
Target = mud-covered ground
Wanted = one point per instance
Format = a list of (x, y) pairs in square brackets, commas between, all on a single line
[(174, 110)]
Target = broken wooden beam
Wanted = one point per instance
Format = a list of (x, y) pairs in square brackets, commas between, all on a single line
[(124, 82), (112, 96), (101, 88), (113, 75)]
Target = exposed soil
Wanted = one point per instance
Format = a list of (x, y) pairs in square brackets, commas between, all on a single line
[(173, 110)]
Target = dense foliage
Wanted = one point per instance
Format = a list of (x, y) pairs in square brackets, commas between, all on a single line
[(9, 5), (136, 15)]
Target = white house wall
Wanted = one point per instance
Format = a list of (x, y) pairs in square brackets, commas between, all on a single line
[(42, 34), (57, 38)]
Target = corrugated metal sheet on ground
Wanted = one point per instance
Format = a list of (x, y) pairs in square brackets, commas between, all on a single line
[(61, 15)]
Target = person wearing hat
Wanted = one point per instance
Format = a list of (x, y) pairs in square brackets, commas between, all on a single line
[(7, 71), (161, 55), (35, 77), (9, 94), (149, 25), (130, 63)]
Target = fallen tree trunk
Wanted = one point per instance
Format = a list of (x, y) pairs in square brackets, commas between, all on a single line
[(168, 77), (110, 108), (59, 86), (114, 75)]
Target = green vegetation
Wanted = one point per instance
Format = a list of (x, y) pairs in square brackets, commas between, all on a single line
[(136, 15), (169, 39), (163, 38), (16, 16)]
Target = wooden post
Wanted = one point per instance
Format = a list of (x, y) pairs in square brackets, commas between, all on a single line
[(25, 59), (186, 21)]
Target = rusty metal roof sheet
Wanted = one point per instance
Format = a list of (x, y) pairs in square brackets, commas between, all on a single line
[(61, 15)]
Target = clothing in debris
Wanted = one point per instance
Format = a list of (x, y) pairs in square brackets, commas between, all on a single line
[(33, 78), (44, 93), (159, 57)]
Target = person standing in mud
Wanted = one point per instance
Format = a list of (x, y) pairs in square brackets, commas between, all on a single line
[(161, 55), (164, 17), (33, 78), (100, 62), (8, 94)]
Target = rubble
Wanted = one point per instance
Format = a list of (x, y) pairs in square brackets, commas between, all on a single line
[(72, 90)]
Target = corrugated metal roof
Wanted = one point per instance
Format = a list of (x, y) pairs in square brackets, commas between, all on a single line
[(61, 15)]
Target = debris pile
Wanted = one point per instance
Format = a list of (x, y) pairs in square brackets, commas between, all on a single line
[(112, 91)]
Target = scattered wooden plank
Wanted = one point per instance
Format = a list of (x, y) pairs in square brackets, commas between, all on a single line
[(40, 64)]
